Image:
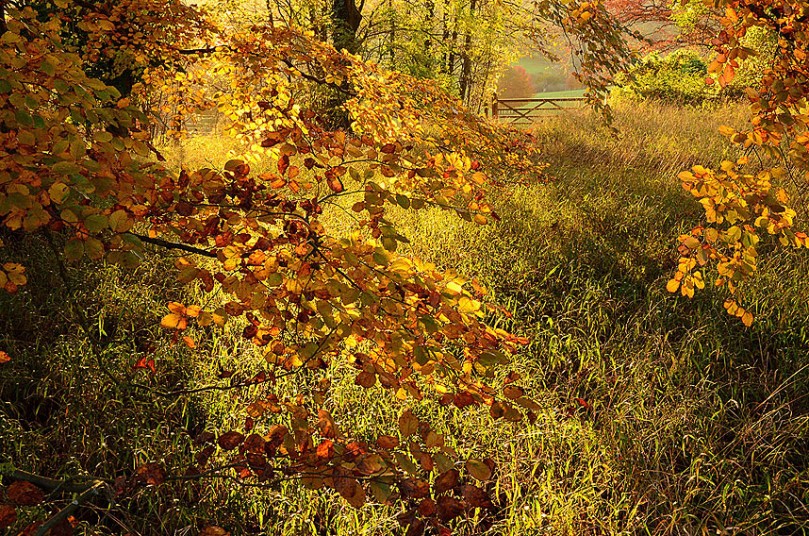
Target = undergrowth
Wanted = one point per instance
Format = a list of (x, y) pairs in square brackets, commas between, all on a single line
[(660, 415)]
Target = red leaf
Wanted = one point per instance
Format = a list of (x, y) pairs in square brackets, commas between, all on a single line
[(583, 403), (325, 450), (283, 164), (8, 516), (230, 440), (145, 363), (25, 494)]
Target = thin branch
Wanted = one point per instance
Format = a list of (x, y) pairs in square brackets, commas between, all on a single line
[(174, 245), (74, 505)]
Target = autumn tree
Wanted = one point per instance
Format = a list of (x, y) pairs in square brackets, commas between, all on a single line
[(757, 198), (77, 166), (516, 83)]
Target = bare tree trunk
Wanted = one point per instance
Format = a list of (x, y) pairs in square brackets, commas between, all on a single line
[(392, 41), (465, 78), (346, 18), (428, 23), (3, 27)]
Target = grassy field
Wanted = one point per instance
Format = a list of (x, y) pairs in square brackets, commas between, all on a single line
[(660, 415), (559, 94)]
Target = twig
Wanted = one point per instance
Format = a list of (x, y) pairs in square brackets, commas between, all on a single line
[(70, 508), (173, 245)]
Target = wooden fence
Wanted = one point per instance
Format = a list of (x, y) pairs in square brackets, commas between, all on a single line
[(524, 111)]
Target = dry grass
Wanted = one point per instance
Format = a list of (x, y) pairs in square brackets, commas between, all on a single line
[(693, 424)]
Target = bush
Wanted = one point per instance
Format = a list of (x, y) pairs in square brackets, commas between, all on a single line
[(678, 77)]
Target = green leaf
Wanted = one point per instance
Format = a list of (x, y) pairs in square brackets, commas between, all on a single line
[(96, 223), (24, 118), (94, 249), (120, 222), (47, 68), (65, 168), (74, 250)]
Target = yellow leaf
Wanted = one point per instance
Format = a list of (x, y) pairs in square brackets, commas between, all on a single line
[(673, 285), (747, 318)]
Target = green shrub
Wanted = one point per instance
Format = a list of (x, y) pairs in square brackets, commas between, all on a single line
[(678, 77)]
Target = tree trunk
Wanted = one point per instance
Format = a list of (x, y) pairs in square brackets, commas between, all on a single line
[(3, 27), (346, 18), (465, 78)]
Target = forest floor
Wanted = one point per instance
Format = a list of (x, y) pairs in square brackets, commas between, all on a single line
[(660, 414)]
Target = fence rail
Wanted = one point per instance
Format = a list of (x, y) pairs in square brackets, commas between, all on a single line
[(527, 110)]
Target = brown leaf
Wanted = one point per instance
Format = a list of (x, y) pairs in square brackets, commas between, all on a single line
[(25, 493), (446, 481), (327, 426), (254, 443), (151, 473), (4, 357), (449, 508), (351, 491), (230, 440), (408, 423), (478, 469), (365, 379), (276, 436), (414, 488), (476, 497), (214, 530), (387, 442), (369, 464), (513, 392), (283, 164), (427, 507), (416, 528), (62, 528)]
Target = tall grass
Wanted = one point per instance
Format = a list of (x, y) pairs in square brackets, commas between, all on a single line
[(660, 415)]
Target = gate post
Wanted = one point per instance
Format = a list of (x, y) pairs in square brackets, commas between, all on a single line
[(495, 108)]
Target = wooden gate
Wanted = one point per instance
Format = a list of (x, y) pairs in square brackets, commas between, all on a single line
[(524, 111)]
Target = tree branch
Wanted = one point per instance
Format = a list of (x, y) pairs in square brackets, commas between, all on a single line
[(173, 245)]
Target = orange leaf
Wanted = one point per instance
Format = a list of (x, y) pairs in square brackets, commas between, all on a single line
[(174, 321)]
